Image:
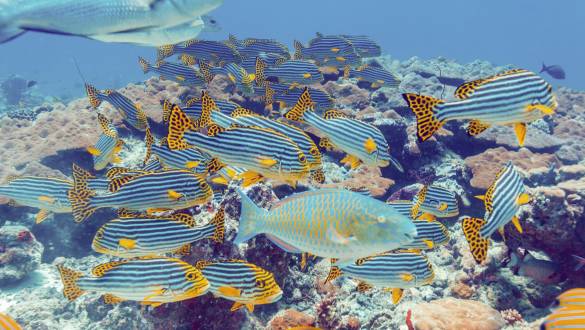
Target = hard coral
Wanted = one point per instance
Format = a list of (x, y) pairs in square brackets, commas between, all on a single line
[(290, 318), (451, 313), (364, 177)]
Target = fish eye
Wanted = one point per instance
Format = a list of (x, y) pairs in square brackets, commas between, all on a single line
[(100, 234), (302, 158), (212, 21), (202, 185), (259, 283), (191, 276), (381, 219), (314, 151)]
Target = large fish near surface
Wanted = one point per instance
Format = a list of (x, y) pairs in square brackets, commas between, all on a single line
[(330, 223), (502, 201), (361, 141), (97, 19), (149, 280), (515, 97), (393, 271)]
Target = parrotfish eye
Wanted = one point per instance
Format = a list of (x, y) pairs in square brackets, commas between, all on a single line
[(381, 219)]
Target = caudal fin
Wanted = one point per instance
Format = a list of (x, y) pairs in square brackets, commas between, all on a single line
[(477, 244), (298, 50), (260, 74), (149, 141), (179, 123), (144, 64), (69, 278), (250, 219), (94, 95), (205, 69), (304, 103), (219, 222), (423, 108), (80, 195)]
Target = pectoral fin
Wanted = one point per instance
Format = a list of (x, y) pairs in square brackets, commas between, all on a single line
[(173, 195), (267, 162), (477, 244), (516, 223), (520, 129), (110, 299), (42, 216), (524, 198), (352, 161), (540, 107), (46, 199), (192, 164), (429, 243), (364, 287), (396, 295), (94, 151), (427, 216), (229, 291)]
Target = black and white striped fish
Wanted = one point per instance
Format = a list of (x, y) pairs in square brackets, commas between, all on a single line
[(361, 141), (107, 147), (270, 59), (363, 45), (376, 75), (151, 192), (428, 234), (502, 202), (515, 97), (244, 283), (191, 159), (287, 97), (292, 72), (130, 111), (261, 151), (47, 194), (393, 271), (149, 280), (206, 50), (252, 47), (182, 74), (136, 235), (434, 201), (242, 80)]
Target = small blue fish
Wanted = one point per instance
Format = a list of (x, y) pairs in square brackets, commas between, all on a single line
[(179, 73), (106, 149), (555, 71), (293, 72), (130, 111), (373, 73), (253, 47), (206, 50)]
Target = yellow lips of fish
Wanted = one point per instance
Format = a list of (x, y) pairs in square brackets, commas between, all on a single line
[(370, 145)]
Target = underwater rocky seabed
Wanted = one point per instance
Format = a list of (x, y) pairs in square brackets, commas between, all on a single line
[(464, 295)]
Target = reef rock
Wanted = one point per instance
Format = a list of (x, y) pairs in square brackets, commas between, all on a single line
[(20, 254), (451, 313)]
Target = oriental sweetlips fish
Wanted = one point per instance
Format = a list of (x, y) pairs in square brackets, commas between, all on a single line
[(286, 96), (107, 147), (565, 318), (7, 323), (191, 159), (361, 141), (204, 50), (47, 194), (573, 298), (331, 223), (261, 151), (502, 201), (252, 47), (322, 48), (236, 74), (392, 271), (429, 234), (149, 280), (363, 45), (292, 72), (515, 97), (373, 73), (99, 19), (151, 192), (432, 202), (136, 235), (130, 111), (179, 73), (244, 283)]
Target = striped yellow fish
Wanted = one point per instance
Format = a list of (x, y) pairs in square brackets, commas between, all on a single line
[(565, 318), (109, 144), (244, 283), (136, 235), (130, 111), (433, 201), (149, 280), (515, 97), (392, 271), (151, 192), (331, 223), (573, 298), (7, 323), (261, 151), (191, 159), (47, 194)]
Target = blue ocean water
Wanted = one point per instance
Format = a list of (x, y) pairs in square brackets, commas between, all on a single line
[(421, 263)]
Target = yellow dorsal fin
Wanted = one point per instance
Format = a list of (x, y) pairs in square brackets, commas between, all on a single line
[(185, 219), (475, 127), (477, 244), (332, 114), (101, 270), (396, 295)]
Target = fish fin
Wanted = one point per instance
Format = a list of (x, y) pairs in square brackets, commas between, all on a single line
[(144, 65), (475, 127), (407, 277), (127, 243), (374, 85), (148, 141), (282, 244), (111, 299), (334, 272), (218, 221), (542, 108), (230, 291), (480, 197), (424, 109), (267, 162), (520, 129), (106, 126), (429, 243), (220, 180), (317, 175), (516, 223), (370, 145), (184, 250), (239, 112), (207, 107), (304, 103), (298, 50), (326, 144), (477, 244), (237, 305), (427, 216), (46, 199), (580, 262), (93, 151), (524, 198), (249, 178), (251, 219), (465, 90), (69, 277), (201, 264), (125, 213), (346, 72), (166, 109), (364, 287), (174, 195), (94, 95), (165, 51), (179, 123), (185, 219), (42, 215), (332, 114), (180, 77), (192, 164), (260, 72), (303, 261), (335, 49), (80, 195), (188, 60), (101, 270), (116, 183), (214, 130), (442, 207), (352, 161), (306, 76), (397, 295), (214, 165)]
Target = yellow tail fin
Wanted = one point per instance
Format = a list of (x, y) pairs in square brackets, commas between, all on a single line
[(80, 195), (423, 108), (69, 278), (477, 244), (93, 95)]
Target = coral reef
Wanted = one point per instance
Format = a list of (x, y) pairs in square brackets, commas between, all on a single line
[(451, 313), (20, 254)]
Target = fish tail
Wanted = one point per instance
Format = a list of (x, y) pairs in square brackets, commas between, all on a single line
[(80, 195), (346, 72), (165, 51), (144, 64), (260, 72), (179, 123), (304, 104), (94, 95), (298, 50), (580, 262), (167, 106), (69, 277), (250, 219), (205, 69), (268, 94), (219, 222), (543, 68), (477, 244), (149, 141), (234, 40), (424, 108), (396, 164)]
